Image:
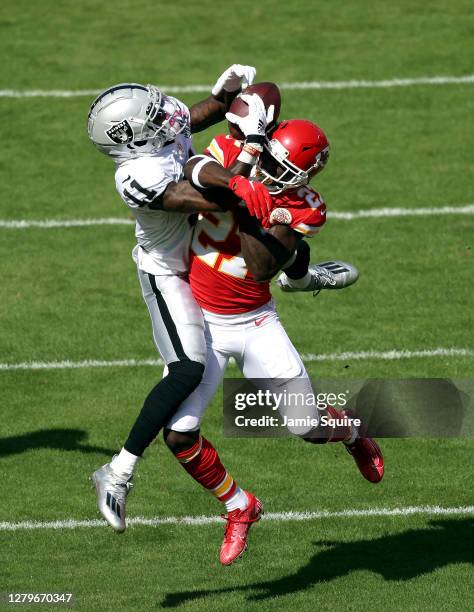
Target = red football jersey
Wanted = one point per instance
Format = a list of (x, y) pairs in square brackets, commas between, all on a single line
[(219, 277)]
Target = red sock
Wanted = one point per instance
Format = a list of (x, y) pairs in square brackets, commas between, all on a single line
[(338, 433), (202, 463)]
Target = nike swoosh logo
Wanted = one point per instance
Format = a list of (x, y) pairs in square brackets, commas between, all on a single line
[(261, 320)]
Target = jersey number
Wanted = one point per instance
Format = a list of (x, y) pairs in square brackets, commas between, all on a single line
[(155, 203), (309, 195), (218, 235)]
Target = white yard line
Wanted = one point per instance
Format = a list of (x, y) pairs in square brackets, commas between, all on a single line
[(59, 223), (270, 516), (371, 213), (56, 223), (384, 84), (392, 355), (351, 84), (433, 211), (77, 365)]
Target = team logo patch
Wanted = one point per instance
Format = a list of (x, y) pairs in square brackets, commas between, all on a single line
[(120, 133), (280, 216)]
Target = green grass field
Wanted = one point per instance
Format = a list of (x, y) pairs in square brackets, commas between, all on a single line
[(72, 294)]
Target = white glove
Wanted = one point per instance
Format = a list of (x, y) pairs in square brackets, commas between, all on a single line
[(255, 123), (233, 78)]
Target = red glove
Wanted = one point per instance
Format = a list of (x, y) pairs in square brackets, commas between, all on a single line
[(254, 194)]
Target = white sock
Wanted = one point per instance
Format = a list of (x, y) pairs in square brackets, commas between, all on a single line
[(238, 500), (299, 283), (124, 463)]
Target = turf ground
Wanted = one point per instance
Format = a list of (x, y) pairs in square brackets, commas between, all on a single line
[(71, 294)]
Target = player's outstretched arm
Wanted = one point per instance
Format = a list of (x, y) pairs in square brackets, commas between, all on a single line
[(185, 198), (266, 252), (209, 111), (199, 169), (204, 171), (213, 109)]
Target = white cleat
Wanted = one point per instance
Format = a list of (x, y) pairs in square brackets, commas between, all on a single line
[(111, 493), (334, 274)]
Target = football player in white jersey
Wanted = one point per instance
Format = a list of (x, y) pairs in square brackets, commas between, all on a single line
[(148, 135)]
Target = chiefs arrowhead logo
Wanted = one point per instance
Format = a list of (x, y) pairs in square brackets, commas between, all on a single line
[(280, 216)]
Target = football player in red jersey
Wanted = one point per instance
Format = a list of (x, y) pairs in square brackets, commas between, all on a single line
[(232, 262)]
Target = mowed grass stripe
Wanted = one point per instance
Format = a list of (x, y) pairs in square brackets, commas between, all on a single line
[(279, 517), (390, 355), (375, 213), (288, 86)]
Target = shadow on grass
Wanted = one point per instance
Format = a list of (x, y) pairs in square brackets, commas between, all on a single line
[(399, 557), (61, 439)]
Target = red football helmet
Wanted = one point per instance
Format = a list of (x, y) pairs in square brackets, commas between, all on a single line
[(298, 150)]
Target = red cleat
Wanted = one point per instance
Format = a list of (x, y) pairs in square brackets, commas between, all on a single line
[(369, 458), (237, 529)]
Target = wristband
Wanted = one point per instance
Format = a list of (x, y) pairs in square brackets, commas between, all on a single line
[(197, 169), (255, 140), (249, 155), (253, 150), (246, 158)]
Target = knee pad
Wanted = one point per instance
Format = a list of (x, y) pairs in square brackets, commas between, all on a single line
[(179, 441), (187, 373)]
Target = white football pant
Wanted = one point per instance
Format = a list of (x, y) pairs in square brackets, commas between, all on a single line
[(262, 349), (177, 321)]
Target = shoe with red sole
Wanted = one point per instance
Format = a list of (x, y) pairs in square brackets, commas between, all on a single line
[(237, 529), (368, 457)]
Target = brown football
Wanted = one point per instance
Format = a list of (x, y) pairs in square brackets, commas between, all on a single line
[(270, 94)]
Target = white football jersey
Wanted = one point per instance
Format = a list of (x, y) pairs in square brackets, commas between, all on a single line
[(163, 238)]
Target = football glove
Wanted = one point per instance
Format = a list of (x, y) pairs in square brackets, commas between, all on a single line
[(255, 195), (253, 125), (233, 78)]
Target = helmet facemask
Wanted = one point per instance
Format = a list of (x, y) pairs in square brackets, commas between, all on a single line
[(279, 173), (164, 119)]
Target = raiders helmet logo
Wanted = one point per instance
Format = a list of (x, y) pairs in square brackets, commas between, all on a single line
[(280, 216), (120, 133)]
